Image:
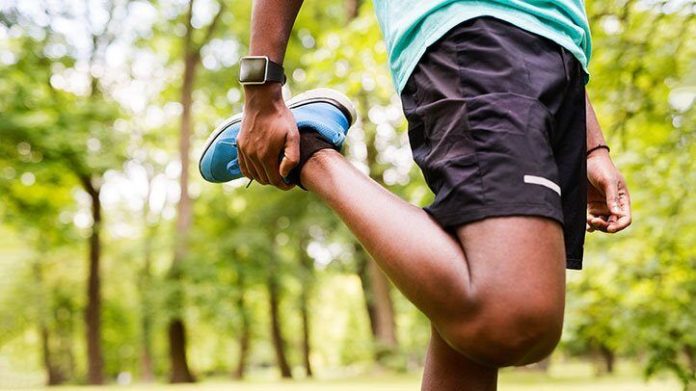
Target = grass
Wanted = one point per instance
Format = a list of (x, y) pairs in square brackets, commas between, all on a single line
[(561, 377)]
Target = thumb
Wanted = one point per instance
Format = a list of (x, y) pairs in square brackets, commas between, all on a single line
[(291, 153), (612, 194)]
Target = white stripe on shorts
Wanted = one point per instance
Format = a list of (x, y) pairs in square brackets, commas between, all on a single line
[(537, 180)]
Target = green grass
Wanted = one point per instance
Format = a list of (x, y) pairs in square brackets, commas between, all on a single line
[(561, 377)]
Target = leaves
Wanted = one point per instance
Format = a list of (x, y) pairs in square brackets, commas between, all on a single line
[(68, 124)]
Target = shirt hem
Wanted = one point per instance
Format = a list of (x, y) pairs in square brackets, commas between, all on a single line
[(500, 13)]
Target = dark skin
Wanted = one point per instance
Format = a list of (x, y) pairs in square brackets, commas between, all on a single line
[(268, 127), (608, 200), (492, 303)]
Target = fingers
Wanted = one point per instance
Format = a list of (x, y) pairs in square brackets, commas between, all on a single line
[(271, 167), (261, 176), (242, 164), (278, 168), (611, 192), (268, 132), (291, 153), (597, 223), (622, 219), (262, 167), (249, 168), (616, 215)]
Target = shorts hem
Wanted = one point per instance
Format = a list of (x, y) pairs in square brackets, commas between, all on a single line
[(574, 264), (450, 220)]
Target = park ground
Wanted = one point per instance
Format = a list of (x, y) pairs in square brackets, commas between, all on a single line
[(560, 377)]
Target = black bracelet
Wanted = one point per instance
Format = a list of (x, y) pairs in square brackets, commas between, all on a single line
[(600, 146)]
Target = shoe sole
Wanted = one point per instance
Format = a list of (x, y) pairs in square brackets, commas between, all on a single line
[(325, 95)]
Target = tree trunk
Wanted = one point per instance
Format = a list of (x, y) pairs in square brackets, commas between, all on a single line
[(61, 341), (352, 9), (307, 279), (382, 312), (95, 361), (608, 357), (385, 327), (361, 259), (54, 376), (146, 363), (276, 329), (145, 280), (378, 303), (147, 374), (244, 348), (306, 343), (244, 334), (180, 372), (690, 358)]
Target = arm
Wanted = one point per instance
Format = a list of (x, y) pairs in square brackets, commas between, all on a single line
[(268, 127), (608, 201)]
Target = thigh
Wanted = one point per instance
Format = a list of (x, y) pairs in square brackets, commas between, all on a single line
[(516, 262)]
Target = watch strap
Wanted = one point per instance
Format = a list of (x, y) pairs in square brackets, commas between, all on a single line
[(275, 73)]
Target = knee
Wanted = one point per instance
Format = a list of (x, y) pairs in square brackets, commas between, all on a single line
[(516, 333)]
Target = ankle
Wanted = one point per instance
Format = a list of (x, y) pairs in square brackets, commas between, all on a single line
[(319, 163)]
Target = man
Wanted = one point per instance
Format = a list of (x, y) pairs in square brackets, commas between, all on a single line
[(499, 123)]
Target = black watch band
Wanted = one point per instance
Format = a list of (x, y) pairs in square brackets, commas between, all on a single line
[(275, 73), (255, 70)]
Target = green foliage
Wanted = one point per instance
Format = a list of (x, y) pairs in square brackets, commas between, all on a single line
[(636, 296), (59, 137)]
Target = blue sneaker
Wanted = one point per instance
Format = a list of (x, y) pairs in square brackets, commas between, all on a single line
[(325, 111)]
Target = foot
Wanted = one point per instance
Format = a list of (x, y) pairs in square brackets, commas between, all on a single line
[(325, 113)]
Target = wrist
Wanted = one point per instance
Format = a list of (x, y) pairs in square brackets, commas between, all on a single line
[(599, 149), (599, 156), (263, 95)]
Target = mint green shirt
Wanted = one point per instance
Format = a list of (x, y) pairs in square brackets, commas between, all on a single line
[(410, 26)]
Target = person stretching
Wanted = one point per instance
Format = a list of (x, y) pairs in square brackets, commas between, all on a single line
[(503, 130)]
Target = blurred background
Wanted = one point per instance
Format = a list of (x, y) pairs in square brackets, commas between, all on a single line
[(119, 265)]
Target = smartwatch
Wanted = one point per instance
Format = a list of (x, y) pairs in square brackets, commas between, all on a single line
[(256, 70)]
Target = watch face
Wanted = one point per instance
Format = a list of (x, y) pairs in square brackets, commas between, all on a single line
[(253, 70)]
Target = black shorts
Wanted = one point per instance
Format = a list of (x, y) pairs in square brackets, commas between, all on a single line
[(496, 122)]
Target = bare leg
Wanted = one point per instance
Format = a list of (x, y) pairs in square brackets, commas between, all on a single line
[(500, 304), (426, 263), (445, 369)]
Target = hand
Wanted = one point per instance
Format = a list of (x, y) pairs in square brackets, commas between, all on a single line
[(608, 201), (268, 143)]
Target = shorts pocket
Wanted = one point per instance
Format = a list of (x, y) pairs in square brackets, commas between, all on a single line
[(511, 137)]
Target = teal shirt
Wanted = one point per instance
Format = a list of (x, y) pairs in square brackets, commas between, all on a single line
[(410, 26)]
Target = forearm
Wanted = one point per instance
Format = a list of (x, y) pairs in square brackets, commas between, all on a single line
[(594, 131), (271, 24)]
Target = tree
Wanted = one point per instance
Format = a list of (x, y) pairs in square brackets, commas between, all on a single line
[(37, 219), (87, 147), (642, 87), (356, 66), (180, 372), (306, 278)]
